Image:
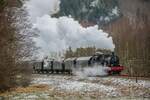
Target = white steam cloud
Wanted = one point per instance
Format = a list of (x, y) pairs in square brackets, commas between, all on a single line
[(57, 34), (96, 70)]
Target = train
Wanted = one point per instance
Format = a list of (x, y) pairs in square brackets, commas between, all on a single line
[(68, 65)]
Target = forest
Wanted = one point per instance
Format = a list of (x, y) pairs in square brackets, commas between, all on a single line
[(130, 31)]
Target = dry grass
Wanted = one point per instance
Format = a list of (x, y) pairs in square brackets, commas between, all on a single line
[(29, 89), (33, 88)]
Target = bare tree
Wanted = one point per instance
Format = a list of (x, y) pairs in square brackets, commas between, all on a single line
[(16, 46)]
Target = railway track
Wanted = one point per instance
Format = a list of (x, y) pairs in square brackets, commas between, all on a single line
[(131, 77)]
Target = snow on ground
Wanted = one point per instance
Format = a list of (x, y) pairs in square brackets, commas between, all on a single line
[(108, 86), (63, 87), (72, 85), (88, 87), (125, 82)]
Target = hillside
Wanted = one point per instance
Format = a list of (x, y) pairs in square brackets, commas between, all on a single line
[(90, 11)]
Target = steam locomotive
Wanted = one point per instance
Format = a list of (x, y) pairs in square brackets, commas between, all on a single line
[(67, 65)]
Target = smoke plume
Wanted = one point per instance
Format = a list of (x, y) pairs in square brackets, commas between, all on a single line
[(57, 34)]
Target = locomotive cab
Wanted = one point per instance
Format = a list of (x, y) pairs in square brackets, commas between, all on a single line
[(114, 61), (102, 59)]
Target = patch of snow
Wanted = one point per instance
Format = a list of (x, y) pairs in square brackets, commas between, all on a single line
[(107, 19), (32, 96), (94, 3), (101, 18), (115, 11)]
